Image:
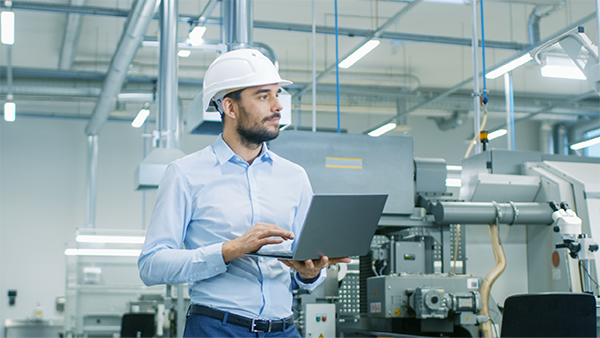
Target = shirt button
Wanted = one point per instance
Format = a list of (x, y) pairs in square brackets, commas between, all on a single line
[(216, 269)]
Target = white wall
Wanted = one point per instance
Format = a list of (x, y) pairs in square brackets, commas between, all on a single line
[(43, 193)]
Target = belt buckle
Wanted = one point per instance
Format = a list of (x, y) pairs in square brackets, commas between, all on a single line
[(253, 327)]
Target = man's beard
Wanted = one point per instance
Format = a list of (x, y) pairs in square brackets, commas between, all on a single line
[(257, 134)]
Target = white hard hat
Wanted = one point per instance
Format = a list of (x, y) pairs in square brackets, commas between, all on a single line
[(238, 69)]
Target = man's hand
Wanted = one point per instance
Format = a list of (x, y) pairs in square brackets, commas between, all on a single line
[(256, 237), (309, 269)]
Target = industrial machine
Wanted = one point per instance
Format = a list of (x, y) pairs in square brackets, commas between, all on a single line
[(415, 280)]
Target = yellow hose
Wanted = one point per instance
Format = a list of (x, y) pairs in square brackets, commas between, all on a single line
[(490, 278)]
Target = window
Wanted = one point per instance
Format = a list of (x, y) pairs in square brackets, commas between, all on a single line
[(594, 150)]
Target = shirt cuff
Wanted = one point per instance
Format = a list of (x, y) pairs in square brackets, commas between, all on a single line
[(308, 285), (214, 259)]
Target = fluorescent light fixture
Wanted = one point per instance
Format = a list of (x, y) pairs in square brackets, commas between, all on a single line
[(586, 143), (8, 27), (453, 182), (383, 129), (184, 53), (141, 117), (103, 252), (456, 2), (453, 167), (110, 239), (497, 133), (561, 67), (509, 66), (196, 35), (135, 97), (10, 111), (362, 51)]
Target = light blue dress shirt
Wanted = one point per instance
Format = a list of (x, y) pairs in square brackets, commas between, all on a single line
[(213, 196)]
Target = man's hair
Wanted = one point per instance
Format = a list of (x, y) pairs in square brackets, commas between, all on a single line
[(235, 96)]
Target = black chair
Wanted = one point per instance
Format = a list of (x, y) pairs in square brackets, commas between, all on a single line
[(138, 325), (549, 315)]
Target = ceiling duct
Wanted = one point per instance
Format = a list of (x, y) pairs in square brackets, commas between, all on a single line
[(458, 118), (71, 37), (237, 24), (151, 169), (132, 37), (237, 34), (536, 15)]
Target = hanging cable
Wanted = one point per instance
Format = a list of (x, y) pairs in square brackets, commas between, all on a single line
[(337, 68), (484, 98)]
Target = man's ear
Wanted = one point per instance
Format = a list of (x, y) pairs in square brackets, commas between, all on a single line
[(229, 108)]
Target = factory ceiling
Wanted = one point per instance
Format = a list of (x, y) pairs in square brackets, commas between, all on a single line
[(423, 65)]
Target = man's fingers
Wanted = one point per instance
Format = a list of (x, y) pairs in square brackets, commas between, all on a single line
[(272, 230), (339, 260), (309, 264)]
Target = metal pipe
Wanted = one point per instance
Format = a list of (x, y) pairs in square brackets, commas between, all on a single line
[(587, 278), (9, 72), (267, 50), (558, 139), (510, 111), (476, 94), (487, 212), (414, 37), (133, 35), (534, 21), (53, 90), (205, 14), (545, 132), (392, 254), (167, 75), (70, 37), (92, 180), (237, 24), (180, 308), (314, 68), (597, 22)]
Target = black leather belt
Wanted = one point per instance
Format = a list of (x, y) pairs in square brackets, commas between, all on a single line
[(254, 325)]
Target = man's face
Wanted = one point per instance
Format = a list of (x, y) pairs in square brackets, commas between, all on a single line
[(259, 114)]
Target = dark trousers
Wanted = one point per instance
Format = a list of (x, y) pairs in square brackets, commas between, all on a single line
[(197, 326)]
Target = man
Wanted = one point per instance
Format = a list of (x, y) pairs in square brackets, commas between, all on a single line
[(229, 199)]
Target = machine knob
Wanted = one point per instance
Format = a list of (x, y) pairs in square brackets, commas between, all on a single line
[(593, 247), (556, 228)]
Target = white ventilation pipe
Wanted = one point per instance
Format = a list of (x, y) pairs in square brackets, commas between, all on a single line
[(133, 34), (71, 37), (132, 37), (533, 24), (168, 116), (237, 24)]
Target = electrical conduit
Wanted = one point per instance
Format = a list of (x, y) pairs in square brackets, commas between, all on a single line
[(490, 278)]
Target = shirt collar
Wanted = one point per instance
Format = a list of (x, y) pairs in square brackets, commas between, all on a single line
[(225, 154)]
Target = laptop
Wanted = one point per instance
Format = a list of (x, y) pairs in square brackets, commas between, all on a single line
[(335, 226)]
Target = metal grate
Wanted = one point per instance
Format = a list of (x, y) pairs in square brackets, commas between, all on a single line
[(349, 294)]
